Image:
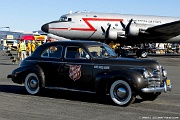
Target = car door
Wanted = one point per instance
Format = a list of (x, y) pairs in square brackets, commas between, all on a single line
[(77, 69), (49, 61)]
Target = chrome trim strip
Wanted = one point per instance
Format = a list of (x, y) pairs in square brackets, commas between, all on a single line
[(154, 79), (61, 62), (71, 62)]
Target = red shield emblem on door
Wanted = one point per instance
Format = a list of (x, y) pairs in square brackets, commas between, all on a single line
[(75, 72)]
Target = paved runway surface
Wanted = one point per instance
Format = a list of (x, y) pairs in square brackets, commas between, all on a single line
[(16, 104)]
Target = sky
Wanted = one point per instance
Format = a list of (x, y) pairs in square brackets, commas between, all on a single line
[(30, 15)]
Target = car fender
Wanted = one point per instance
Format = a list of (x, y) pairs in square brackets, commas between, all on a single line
[(21, 72), (133, 77)]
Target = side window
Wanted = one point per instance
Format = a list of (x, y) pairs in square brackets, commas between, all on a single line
[(76, 53), (69, 19), (52, 52)]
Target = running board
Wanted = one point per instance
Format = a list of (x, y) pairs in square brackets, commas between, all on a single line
[(68, 89)]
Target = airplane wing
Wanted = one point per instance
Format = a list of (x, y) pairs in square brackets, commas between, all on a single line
[(168, 30)]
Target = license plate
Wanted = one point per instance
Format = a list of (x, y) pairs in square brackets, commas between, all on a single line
[(168, 82)]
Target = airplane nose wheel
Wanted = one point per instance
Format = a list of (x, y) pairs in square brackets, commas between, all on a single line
[(142, 53)]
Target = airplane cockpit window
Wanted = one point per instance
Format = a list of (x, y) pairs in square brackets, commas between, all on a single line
[(63, 19)]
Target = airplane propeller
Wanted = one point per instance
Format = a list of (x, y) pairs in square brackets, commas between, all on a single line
[(126, 27), (106, 33)]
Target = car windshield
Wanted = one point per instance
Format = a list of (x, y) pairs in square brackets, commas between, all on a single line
[(101, 51)]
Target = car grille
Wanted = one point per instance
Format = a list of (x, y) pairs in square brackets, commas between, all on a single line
[(156, 79)]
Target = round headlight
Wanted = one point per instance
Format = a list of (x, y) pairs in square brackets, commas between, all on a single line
[(145, 74), (164, 73)]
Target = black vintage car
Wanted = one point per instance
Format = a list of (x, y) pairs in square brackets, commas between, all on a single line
[(91, 67)]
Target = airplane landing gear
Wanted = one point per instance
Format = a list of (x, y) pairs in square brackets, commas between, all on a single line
[(142, 53)]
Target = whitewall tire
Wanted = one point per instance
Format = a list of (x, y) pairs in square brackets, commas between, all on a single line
[(121, 93), (31, 83)]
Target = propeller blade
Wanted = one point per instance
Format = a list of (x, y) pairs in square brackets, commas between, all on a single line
[(123, 25), (128, 26), (103, 30), (107, 31)]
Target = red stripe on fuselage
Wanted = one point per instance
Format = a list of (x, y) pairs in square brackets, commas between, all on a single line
[(58, 28), (86, 20)]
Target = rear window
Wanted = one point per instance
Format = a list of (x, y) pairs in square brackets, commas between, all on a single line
[(52, 52)]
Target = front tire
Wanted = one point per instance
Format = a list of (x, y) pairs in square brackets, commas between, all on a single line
[(121, 93), (31, 84)]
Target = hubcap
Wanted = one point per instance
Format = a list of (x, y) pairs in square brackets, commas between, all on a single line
[(33, 83), (121, 92)]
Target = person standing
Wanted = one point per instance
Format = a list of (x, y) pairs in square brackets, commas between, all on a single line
[(39, 43), (33, 46), (29, 48), (179, 48), (112, 45), (18, 51), (23, 50)]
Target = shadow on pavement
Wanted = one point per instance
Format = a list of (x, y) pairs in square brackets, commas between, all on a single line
[(13, 89), (63, 94)]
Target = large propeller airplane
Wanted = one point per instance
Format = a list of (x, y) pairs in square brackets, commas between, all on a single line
[(126, 29)]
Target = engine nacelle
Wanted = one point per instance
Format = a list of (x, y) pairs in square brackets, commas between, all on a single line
[(135, 29), (115, 33)]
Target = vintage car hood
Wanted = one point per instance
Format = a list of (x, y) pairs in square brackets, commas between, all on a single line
[(128, 62)]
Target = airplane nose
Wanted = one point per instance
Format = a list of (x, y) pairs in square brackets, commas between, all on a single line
[(45, 28)]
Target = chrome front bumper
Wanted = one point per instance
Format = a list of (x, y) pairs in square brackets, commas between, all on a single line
[(157, 89)]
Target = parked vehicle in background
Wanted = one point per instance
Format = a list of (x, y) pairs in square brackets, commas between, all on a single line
[(9, 44)]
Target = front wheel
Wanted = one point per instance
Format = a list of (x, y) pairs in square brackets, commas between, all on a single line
[(32, 84), (121, 93)]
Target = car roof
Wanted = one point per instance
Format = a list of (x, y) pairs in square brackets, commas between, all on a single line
[(75, 42), (64, 43)]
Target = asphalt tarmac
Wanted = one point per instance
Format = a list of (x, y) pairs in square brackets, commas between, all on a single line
[(16, 104)]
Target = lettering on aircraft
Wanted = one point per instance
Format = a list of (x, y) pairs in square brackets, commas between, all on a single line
[(146, 21)]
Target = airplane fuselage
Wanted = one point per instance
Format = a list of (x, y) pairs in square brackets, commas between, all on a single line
[(89, 25)]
